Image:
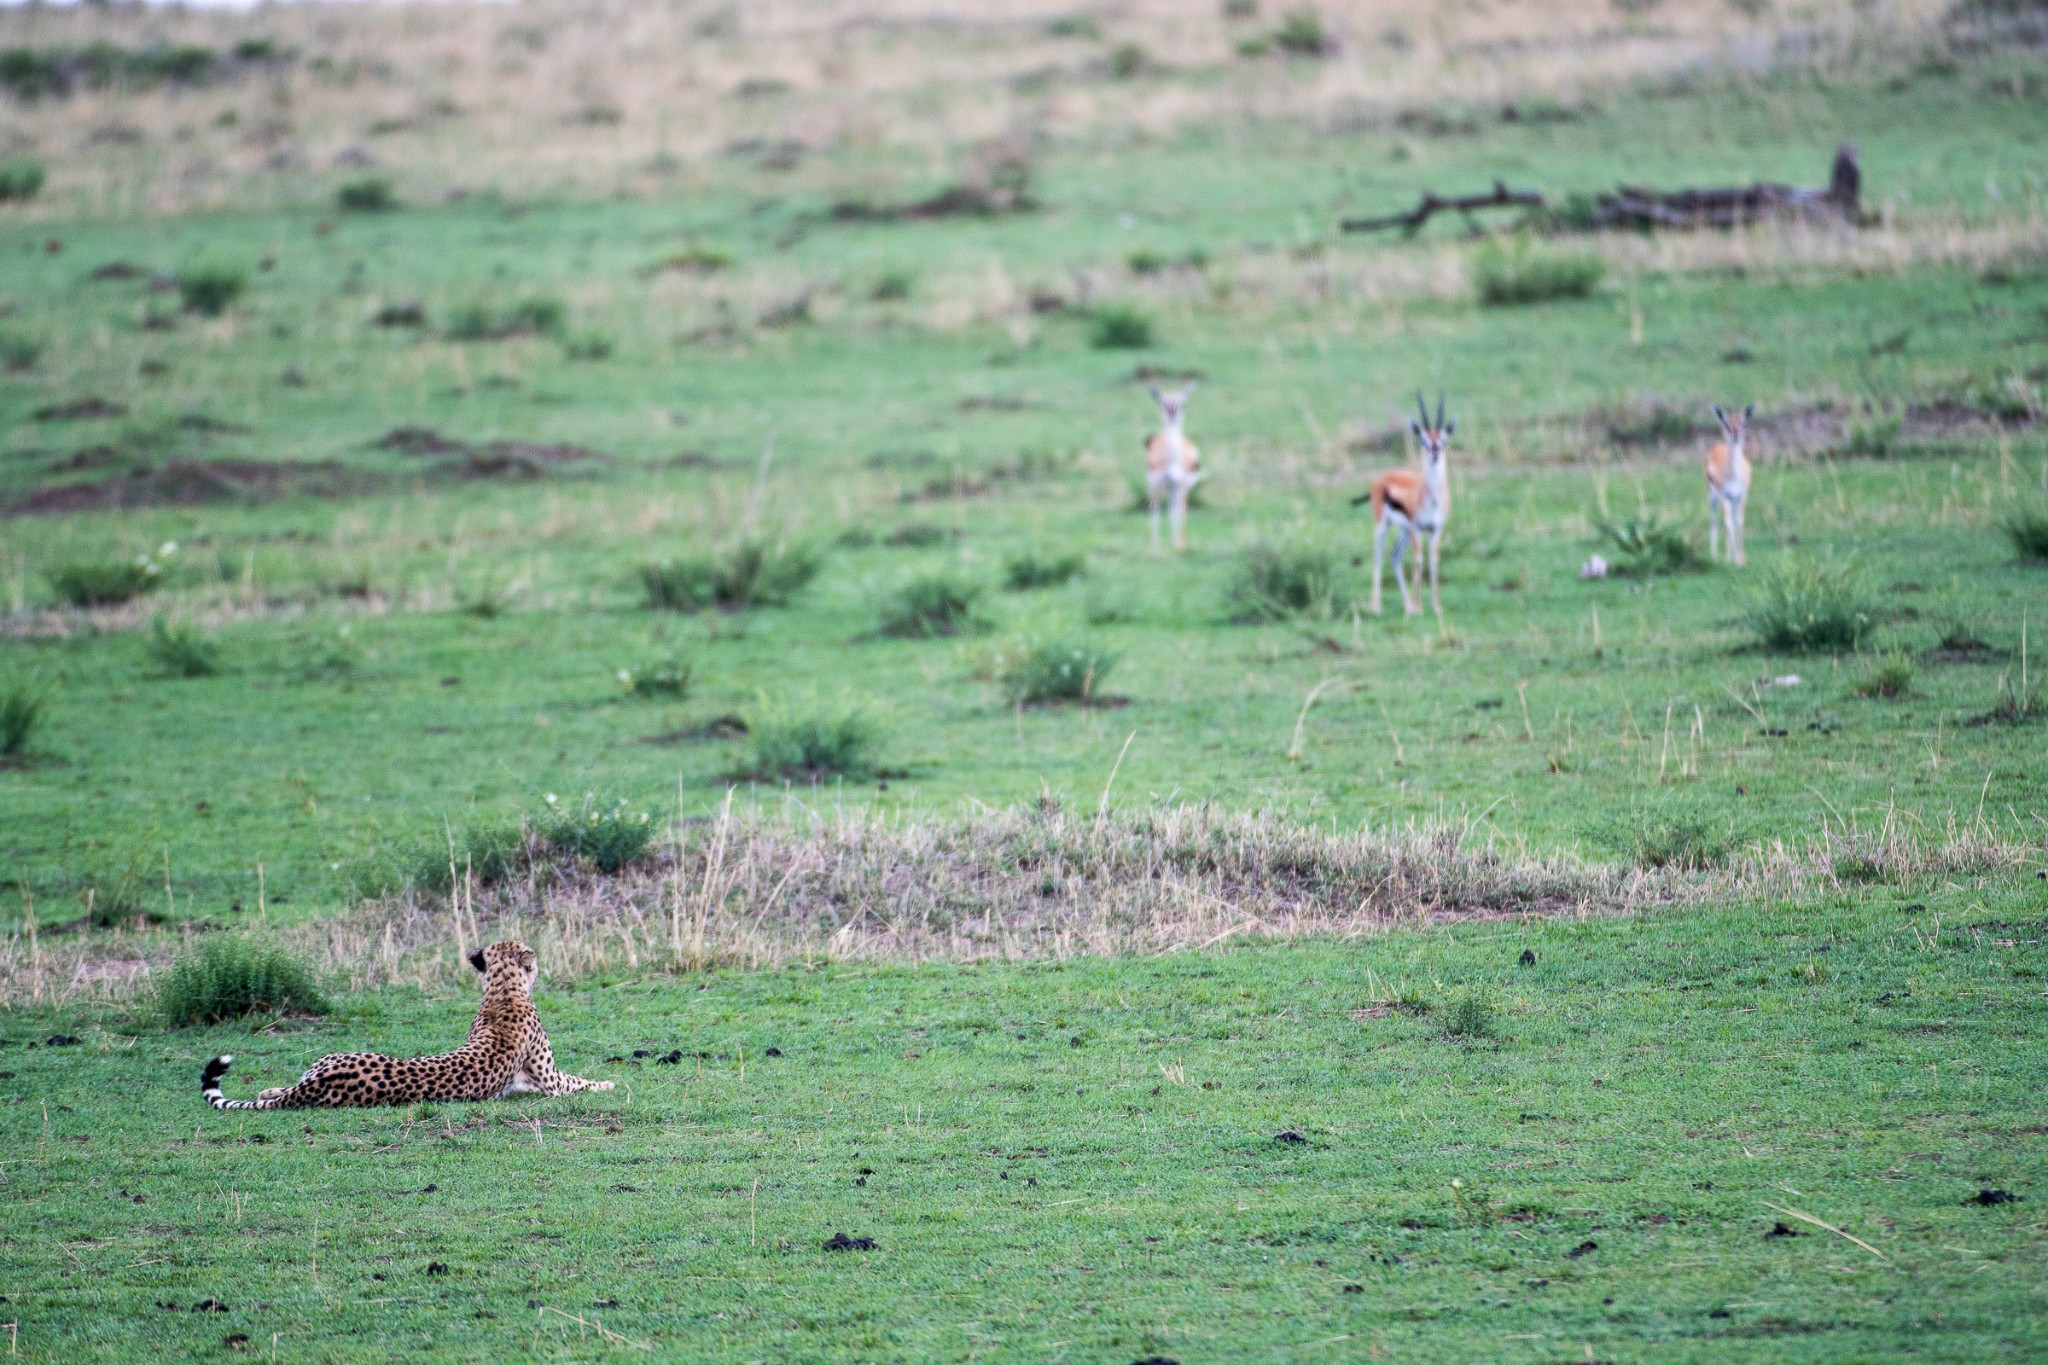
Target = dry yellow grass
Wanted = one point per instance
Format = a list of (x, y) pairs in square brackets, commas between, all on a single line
[(622, 96), (766, 888)]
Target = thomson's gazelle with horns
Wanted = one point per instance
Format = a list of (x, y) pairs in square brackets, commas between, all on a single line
[(1414, 503), (1172, 465), (1728, 483)]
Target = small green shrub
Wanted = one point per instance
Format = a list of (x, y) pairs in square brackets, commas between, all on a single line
[(2011, 399), (107, 582), (786, 738), (1054, 670), (1685, 840), (747, 575), (1033, 570), (1805, 606), (1524, 273), (590, 346), (1128, 60), (485, 854), (227, 977), (20, 709), (608, 838), (1301, 34), (19, 354), (893, 286), (1287, 580), (1888, 677), (1120, 327), (371, 194), (1470, 1015), (1073, 26), (181, 651), (479, 321), (931, 605), (1646, 546), (2026, 526), (20, 181), (1877, 439), (210, 290), (670, 680)]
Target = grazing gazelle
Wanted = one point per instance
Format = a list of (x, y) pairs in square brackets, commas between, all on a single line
[(1728, 483), (1172, 465), (1414, 502)]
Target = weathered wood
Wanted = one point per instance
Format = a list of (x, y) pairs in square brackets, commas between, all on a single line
[(1840, 201), (1433, 203)]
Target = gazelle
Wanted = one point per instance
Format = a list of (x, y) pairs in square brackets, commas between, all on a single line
[(1728, 483), (1172, 465), (1415, 503)]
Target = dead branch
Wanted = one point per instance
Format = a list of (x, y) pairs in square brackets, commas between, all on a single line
[(1632, 206), (1432, 203)]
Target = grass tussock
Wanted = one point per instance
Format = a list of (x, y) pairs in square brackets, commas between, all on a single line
[(1042, 672), (2027, 528), (104, 582), (1888, 677), (749, 574), (180, 649), (1121, 327), (210, 290), (20, 181), (1032, 570), (1524, 273), (807, 740), (20, 709), (228, 977), (1647, 546), (607, 838), (754, 889), (1470, 1015), (1287, 580), (1808, 606), (669, 680), (932, 605), (481, 320), (371, 194)]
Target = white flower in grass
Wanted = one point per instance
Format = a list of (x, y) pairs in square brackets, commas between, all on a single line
[(549, 798)]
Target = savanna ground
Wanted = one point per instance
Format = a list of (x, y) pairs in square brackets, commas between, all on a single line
[(619, 288)]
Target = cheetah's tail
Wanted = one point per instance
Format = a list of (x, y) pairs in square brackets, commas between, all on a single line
[(209, 1085)]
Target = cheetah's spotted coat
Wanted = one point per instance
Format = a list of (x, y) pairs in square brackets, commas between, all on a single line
[(507, 1054)]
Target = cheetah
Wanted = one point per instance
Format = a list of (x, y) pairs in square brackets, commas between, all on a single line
[(507, 1054)]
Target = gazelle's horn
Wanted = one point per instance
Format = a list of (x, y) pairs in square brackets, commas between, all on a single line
[(1439, 409), (1422, 407)]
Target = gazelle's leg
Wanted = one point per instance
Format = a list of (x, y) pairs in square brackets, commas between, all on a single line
[(1436, 602), (1152, 492), (1379, 555), (1404, 538), (1178, 513), (1713, 527), (1736, 507)]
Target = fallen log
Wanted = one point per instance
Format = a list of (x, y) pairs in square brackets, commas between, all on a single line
[(1632, 206), (1433, 203)]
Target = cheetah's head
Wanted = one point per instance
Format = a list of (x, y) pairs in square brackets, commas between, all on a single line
[(510, 961)]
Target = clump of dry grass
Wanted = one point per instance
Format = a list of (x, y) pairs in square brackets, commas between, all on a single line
[(756, 889)]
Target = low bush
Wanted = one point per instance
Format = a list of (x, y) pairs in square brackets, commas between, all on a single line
[(480, 321), (1053, 670), (893, 286), (20, 709), (1683, 840), (210, 290), (1033, 570), (1523, 273), (1119, 326), (1287, 580), (228, 977), (591, 346), (20, 181), (791, 739), (1805, 606), (485, 854), (608, 839), (19, 354), (931, 605), (1646, 546), (106, 582), (1888, 677), (1470, 1014), (747, 575), (2026, 526), (371, 194), (181, 650)]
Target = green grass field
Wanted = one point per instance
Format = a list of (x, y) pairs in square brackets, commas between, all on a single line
[(397, 498)]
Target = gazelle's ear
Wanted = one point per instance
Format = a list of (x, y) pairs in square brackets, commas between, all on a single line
[(1416, 427), (476, 960), (1189, 391), (1157, 396), (1749, 412), (1450, 427)]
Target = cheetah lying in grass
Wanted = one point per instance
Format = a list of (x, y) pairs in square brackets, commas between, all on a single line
[(507, 1054)]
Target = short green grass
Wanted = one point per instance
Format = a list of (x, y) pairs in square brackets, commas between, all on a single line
[(1083, 1160)]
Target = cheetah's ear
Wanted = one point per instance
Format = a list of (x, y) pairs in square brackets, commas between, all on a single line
[(476, 960)]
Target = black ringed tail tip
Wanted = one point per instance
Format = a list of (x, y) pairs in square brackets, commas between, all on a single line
[(209, 1080)]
